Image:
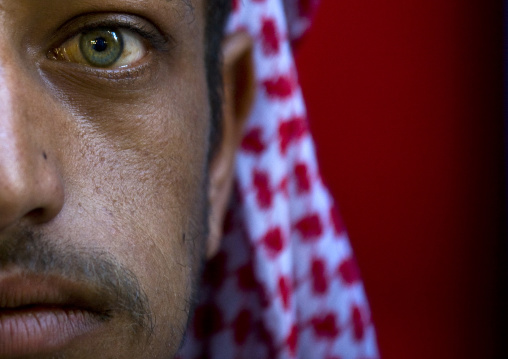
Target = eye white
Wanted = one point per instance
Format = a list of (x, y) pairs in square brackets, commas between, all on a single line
[(133, 51)]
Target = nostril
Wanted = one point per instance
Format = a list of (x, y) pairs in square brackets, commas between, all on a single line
[(31, 188), (36, 214)]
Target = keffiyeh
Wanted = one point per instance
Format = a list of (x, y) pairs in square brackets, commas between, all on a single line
[(285, 283)]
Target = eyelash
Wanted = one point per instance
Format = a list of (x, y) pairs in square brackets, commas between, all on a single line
[(154, 38)]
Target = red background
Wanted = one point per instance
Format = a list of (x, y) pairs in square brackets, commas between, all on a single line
[(405, 103)]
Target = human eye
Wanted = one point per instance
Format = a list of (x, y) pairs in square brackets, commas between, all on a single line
[(106, 46), (102, 47)]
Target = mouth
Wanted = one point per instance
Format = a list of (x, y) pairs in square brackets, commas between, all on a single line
[(44, 314)]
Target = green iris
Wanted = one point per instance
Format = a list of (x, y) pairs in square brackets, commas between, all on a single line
[(101, 47)]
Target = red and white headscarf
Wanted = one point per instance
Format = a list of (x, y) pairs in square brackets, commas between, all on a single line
[(285, 283)]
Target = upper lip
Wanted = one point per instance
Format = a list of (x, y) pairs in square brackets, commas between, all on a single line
[(24, 290)]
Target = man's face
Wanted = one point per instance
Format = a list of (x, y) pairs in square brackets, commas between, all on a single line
[(104, 125)]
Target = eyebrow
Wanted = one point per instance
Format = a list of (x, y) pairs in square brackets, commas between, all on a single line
[(188, 3)]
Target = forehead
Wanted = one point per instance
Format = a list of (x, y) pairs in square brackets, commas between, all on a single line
[(63, 5), (164, 13)]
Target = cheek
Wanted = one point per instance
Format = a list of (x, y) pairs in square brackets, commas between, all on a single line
[(147, 177), (136, 178)]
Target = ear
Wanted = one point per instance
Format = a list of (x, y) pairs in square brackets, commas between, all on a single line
[(238, 77)]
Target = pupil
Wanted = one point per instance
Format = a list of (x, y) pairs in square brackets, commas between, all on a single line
[(100, 44)]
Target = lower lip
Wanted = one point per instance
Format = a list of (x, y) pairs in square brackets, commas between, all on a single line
[(42, 330)]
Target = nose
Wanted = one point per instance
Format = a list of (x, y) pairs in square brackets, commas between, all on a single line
[(31, 188)]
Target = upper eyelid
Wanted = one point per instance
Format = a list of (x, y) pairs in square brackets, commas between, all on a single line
[(133, 23)]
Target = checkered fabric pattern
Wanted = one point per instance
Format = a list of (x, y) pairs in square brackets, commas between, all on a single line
[(285, 283)]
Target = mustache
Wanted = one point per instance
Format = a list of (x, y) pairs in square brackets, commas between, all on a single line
[(116, 286)]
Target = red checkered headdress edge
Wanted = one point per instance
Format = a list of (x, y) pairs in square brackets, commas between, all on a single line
[(285, 283)]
